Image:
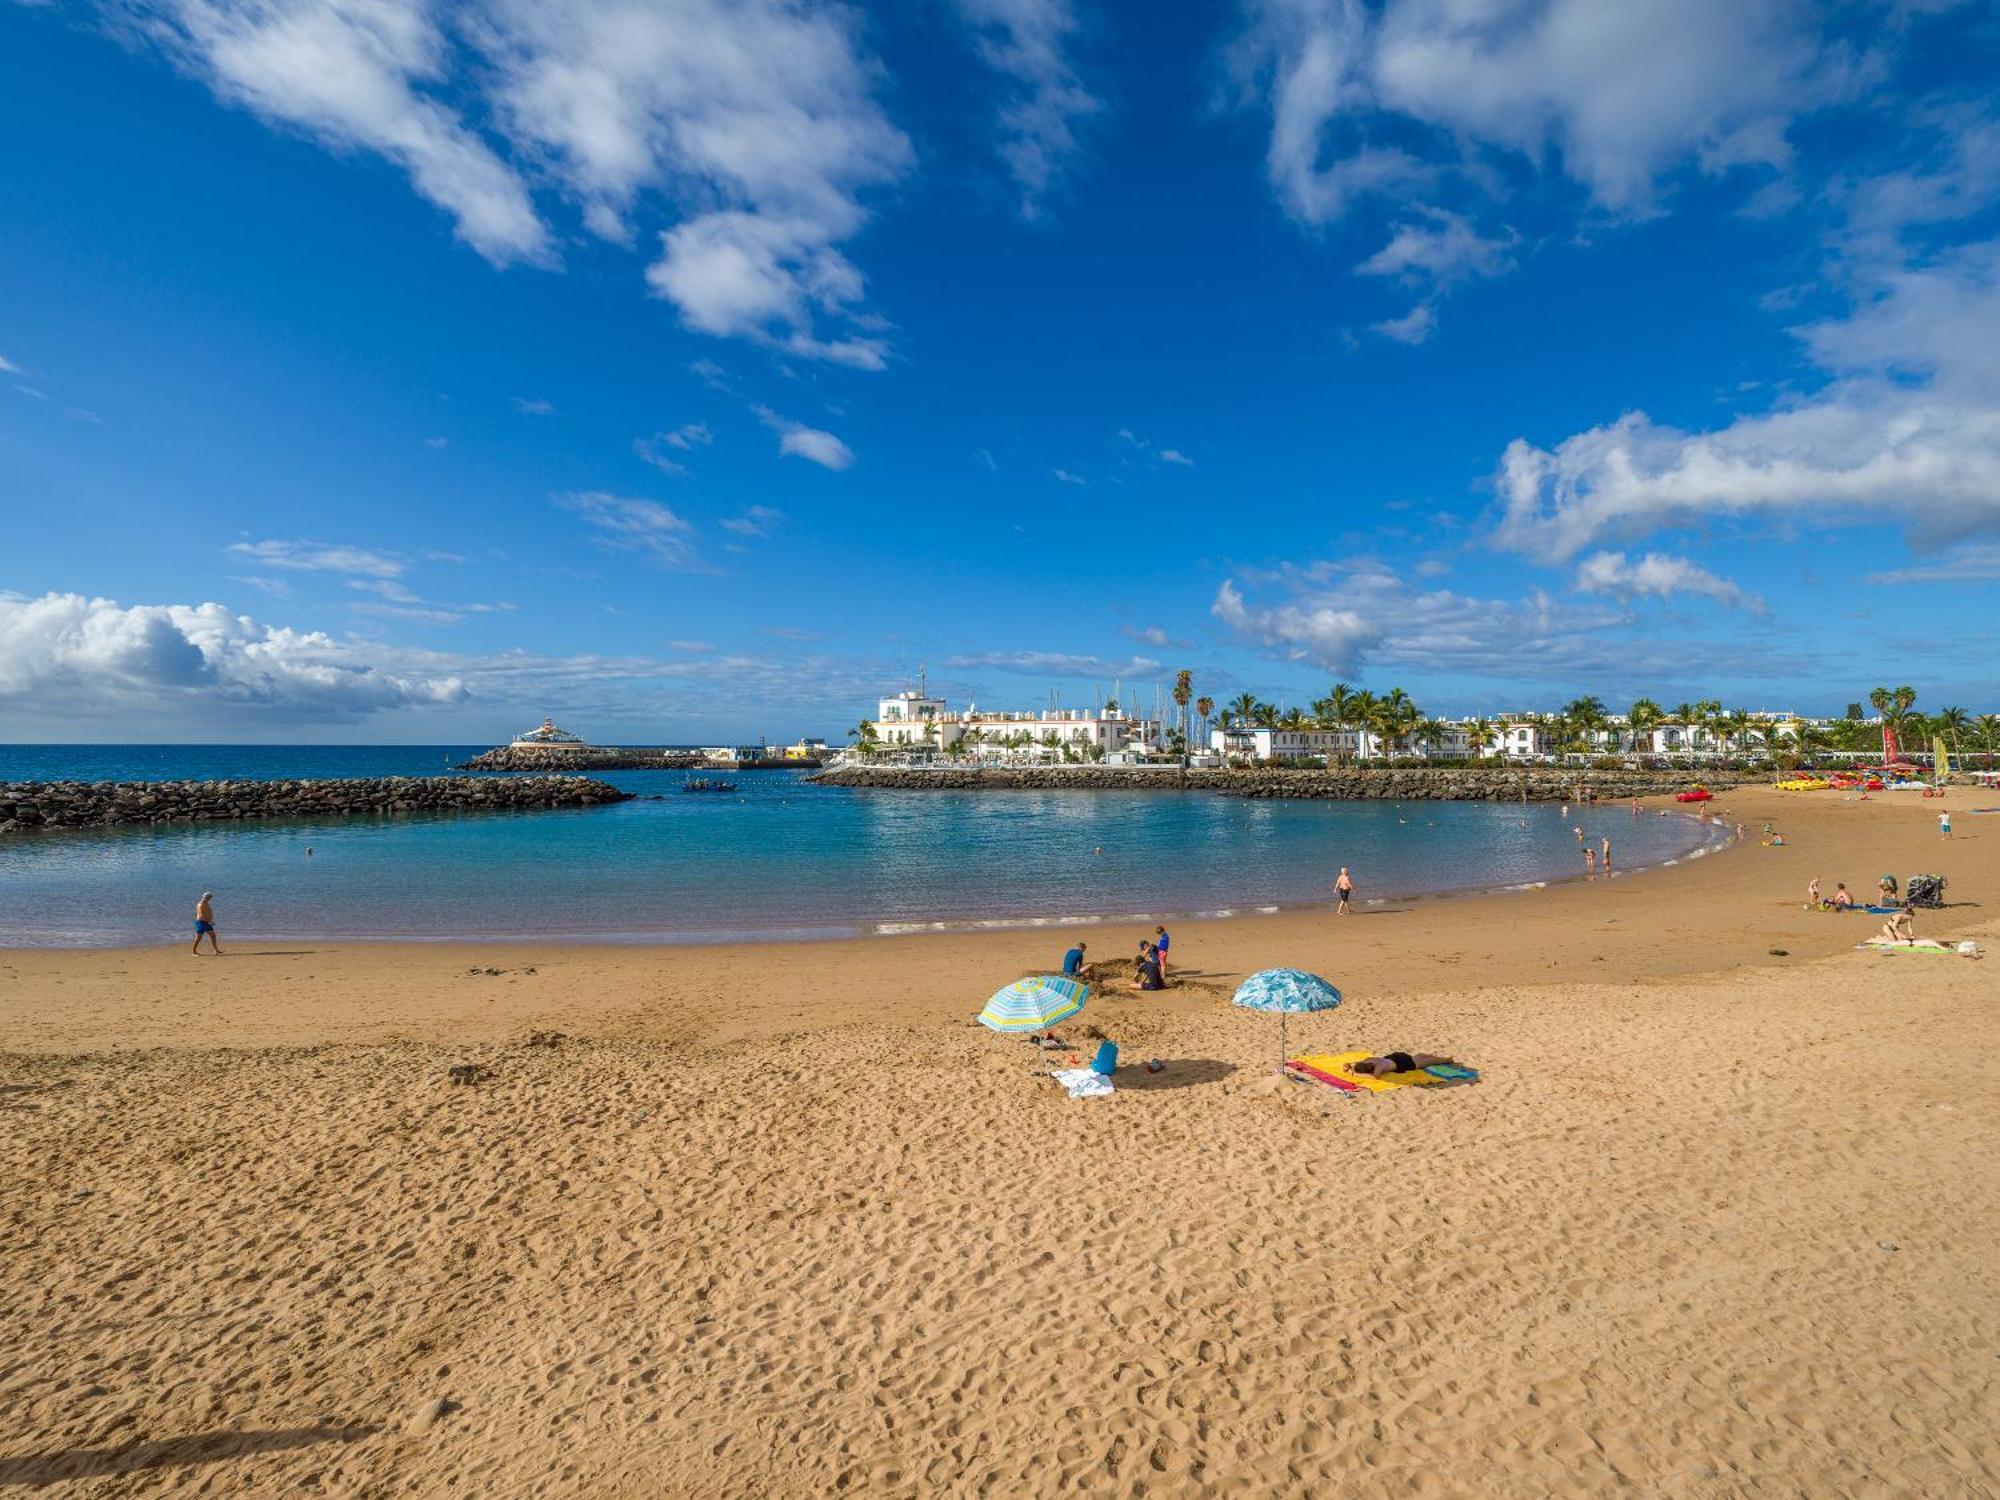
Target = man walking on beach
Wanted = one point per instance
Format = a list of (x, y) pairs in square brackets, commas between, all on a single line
[(204, 924), (1344, 887)]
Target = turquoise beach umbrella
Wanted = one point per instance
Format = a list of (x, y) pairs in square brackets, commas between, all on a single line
[(1288, 992), (1034, 1004)]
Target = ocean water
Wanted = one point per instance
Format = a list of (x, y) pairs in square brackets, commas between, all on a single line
[(780, 859)]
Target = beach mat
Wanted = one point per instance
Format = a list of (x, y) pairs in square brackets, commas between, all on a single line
[(1335, 1069)]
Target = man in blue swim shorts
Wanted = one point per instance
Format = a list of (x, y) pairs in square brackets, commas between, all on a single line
[(204, 924)]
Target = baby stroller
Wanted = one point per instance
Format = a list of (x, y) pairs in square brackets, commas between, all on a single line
[(1924, 890)]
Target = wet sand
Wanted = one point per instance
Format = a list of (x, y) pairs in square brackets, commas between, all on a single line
[(778, 1220)]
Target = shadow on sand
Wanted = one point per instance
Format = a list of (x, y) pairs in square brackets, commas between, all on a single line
[(1180, 1073), (198, 1448)]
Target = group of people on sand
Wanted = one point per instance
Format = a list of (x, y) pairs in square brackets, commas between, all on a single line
[(1149, 966), (1901, 927)]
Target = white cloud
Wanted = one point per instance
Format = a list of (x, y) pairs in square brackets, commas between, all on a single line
[(84, 655), (1906, 434), (357, 74), (643, 526), (1151, 635), (387, 588), (753, 119), (1657, 575), (1441, 248), (797, 440), (688, 435), (757, 520), (1024, 41), (1175, 456), (534, 406), (1056, 664), (436, 442), (1346, 617), (320, 557), (1413, 327), (8, 367), (693, 647), (1066, 477), (1971, 562), (1617, 95)]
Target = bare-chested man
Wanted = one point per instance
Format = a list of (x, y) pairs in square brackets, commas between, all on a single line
[(204, 924)]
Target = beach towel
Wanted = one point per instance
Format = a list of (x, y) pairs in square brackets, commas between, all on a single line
[(1921, 945), (1083, 1083), (1335, 1069)]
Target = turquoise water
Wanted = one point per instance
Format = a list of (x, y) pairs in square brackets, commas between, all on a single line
[(780, 859)]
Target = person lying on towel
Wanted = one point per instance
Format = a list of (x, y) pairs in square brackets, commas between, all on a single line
[(1398, 1062)]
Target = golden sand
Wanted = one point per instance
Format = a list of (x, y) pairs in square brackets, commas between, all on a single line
[(779, 1221)]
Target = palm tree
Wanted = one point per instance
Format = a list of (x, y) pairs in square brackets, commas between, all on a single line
[(1292, 718), (1360, 717), (1480, 734), (1183, 696), (1989, 731), (1264, 715), (863, 735), (1642, 719), (1110, 707), (1243, 707), (1429, 731), (1340, 707), (1203, 707)]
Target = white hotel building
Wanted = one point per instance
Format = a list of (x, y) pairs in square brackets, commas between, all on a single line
[(913, 719)]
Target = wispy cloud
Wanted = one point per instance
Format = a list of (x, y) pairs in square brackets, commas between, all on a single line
[(320, 557), (1657, 575), (534, 406), (797, 440), (1064, 476), (1175, 456), (1025, 41), (757, 520), (1152, 635), (1056, 664), (643, 526), (1973, 562)]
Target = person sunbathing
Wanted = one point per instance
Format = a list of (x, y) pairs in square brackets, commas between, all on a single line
[(1398, 1062), (1843, 898), (1901, 928)]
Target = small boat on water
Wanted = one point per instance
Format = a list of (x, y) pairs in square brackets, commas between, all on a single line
[(707, 784)]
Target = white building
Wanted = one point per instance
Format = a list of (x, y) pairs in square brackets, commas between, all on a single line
[(914, 720)]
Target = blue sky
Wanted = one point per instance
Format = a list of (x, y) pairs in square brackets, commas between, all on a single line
[(376, 370)]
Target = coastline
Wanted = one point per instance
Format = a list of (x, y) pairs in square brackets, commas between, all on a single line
[(776, 1219)]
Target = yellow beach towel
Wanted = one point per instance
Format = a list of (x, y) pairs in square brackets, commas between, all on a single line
[(1340, 1065)]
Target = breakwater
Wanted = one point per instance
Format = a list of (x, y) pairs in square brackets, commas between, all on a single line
[(1415, 784), (617, 758), (28, 805)]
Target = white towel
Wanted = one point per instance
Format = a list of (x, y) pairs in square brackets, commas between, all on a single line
[(1082, 1083)]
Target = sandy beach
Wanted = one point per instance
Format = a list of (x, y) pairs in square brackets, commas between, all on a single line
[(779, 1220)]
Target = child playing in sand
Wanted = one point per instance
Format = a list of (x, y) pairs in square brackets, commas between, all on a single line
[(1843, 898), (1146, 971), (1812, 894)]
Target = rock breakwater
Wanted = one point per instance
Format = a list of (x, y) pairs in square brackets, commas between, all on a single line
[(591, 758), (32, 805), (1416, 784)]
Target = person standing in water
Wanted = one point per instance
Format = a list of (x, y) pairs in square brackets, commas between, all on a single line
[(204, 924), (1343, 887), (1604, 855)]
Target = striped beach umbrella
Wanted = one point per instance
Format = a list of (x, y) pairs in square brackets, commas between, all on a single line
[(1034, 1004), (1289, 992)]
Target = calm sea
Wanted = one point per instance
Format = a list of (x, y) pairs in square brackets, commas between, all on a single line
[(779, 859)]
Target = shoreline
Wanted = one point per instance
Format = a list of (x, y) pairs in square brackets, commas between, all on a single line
[(1717, 838), (1693, 916)]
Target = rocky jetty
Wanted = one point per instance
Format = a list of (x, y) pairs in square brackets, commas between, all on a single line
[(1403, 784), (588, 758), (28, 805)]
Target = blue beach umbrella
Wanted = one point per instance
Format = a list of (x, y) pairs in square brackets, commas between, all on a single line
[(1288, 992), (1034, 1004)]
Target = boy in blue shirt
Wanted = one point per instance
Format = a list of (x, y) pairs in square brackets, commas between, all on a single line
[(1073, 962), (1161, 939)]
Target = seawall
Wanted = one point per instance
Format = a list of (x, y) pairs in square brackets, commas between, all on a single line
[(1416, 784), (28, 805), (617, 758)]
